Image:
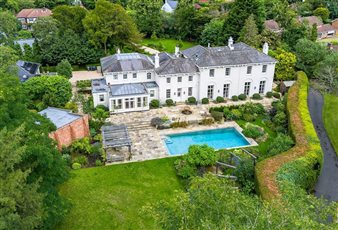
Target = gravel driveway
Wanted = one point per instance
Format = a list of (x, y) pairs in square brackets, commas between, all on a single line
[(327, 184)]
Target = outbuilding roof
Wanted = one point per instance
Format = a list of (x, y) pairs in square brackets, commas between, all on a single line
[(222, 56), (126, 62), (172, 4), (272, 25), (27, 70), (325, 28), (59, 117)]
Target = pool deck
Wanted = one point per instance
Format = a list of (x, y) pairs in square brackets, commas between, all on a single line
[(148, 144)]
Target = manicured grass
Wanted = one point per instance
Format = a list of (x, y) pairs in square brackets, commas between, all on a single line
[(329, 40), (167, 44), (330, 118), (112, 197)]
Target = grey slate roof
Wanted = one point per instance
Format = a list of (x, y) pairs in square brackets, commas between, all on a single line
[(128, 89), (99, 86), (150, 85), (126, 62), (222, 56), (175, 65), (27, 70), (59, 117)]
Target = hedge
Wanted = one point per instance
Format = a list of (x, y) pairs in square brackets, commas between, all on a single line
[(301, 164)]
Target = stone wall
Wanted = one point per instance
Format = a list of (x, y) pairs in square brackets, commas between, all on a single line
[(78, 129)]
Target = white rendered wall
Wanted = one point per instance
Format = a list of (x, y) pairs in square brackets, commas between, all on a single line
[(141, 77)]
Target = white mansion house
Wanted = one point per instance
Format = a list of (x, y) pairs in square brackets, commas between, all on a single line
[(132, 80)]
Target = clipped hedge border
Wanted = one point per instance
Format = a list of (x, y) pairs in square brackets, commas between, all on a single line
[(301, 164)]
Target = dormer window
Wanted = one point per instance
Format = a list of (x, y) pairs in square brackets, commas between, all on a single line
[(149, 76), (249, 70), (211, 73), (264, 68), (227, 71), (168, 79), (125, 76), (179, 79), (134, 75), (115, 76)]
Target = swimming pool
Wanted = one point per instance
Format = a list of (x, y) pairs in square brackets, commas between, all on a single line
[(178, 144)]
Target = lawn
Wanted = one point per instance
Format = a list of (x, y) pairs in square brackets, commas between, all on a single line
[(329, 40), (112, 197), (167, 45), (331, 119)]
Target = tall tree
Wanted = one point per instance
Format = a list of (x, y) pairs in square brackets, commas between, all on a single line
[(147, 15), (70, 17), (108, 25), (40, 157), (184, 19), (327, 71), (8, 25), (240, 11), (21, 203), (64, 68), (213, 33), (285, 67), (249, 33), (309, 54), (8, 58)]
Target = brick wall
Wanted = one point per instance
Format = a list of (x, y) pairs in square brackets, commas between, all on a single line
[(78, 129), (335, 25)]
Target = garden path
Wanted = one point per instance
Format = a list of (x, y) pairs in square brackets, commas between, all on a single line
[(327, 184)]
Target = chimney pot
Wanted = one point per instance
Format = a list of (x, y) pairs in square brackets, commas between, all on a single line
[(266, 48), (157, 61), (231, 43)]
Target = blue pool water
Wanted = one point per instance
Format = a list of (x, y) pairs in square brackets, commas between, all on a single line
[(178, 144)]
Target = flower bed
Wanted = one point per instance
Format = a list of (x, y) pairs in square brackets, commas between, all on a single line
[(301, 164)]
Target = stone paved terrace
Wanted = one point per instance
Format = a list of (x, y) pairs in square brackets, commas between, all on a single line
[(147, 140)]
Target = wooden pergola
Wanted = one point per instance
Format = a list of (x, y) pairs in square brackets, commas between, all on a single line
[(114, 136)]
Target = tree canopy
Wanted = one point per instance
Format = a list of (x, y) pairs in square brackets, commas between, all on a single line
[(109, 25)]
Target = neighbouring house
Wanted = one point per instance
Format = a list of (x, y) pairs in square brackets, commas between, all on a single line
[(311, 20), (273, 26), (325, 31), (169, 6), (29, 16), (132, 80), (23, 42), (334, 23), (284, 86), (27, 70), (69, 126)]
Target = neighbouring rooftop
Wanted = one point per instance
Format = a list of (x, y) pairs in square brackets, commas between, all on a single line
[(27, 70), (59, 117), (34, 13)]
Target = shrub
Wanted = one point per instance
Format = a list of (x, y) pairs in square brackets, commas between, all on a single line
[(201, 155), (280, 144), (234, 98), (102, 107), (269, 94), (235, 114), (169, 102), (67, 158), (64, 68), (154, 104), (72, 106), (98, 163), (226, 112), (82, 160), (180, 124), (81, 146), (205, 101), (220, 99), (242, 97), (249, 117), (156, 121), (276, 95), (256, 96), (81, 85), (218, 116), (76, 166), (245, 173), (252, 108), (207, 121), (184, 169), (253, 131), (279, 119), (192, 100)]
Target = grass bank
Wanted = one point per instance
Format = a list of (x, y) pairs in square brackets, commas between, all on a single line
[(301, 164), (112, 197), (167, 45), (330, 118)]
